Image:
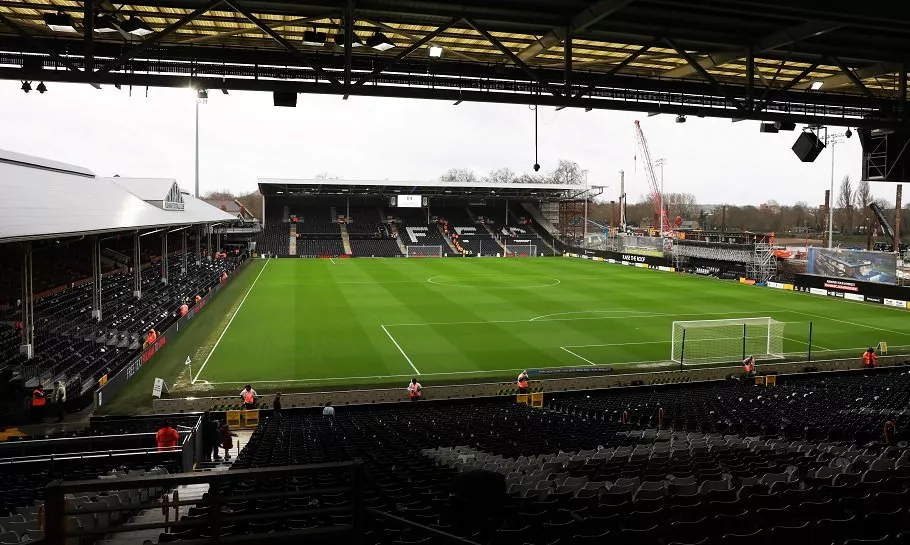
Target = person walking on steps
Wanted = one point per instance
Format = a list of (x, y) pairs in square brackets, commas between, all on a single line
[(227, 442), (60, 400)]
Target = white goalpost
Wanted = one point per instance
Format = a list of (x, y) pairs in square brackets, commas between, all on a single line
[(424, 251), (727, 341), (523, 250)]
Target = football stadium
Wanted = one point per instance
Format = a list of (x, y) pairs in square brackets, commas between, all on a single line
[(459, 361)]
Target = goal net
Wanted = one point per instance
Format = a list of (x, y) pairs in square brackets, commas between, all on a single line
[(424, 251), (520, 250), (731, 340)]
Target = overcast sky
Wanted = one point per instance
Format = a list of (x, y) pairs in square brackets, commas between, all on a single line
[(244, 137)]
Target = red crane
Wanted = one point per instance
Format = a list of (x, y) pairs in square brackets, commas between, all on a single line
[(660, 211)]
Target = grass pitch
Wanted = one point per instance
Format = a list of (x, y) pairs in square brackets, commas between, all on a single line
[(305, 324)]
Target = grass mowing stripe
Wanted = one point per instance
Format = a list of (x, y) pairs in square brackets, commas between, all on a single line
[(228, 326), (850, 323)]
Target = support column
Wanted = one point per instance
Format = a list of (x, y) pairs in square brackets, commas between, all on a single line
[(183, 266), (27, 309), (208, 242), (137, 266), (198, 246), (218, 246), (96, 279), (897, 218), (164, 257)]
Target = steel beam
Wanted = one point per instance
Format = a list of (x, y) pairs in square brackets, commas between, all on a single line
[(902, 92), (579, 23), (39, 45), (88, 38), (777, 40), (704, 74), (839, 80), (617, 67), (410, 49), (348, 44), (167, 31), (856, 81), (567, 57), (413, 38), (281, 40), (273, 26), (750, 80), (508, 53)]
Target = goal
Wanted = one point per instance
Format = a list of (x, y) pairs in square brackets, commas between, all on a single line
[(730, 340), (424, 251), (520, 250)]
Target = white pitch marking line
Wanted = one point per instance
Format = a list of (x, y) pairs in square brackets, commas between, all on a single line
[(332, 259), (577, 356), (622, 317), (534, 319), (399, 348), (857, 324), (813, 344), (228, 326), (614, 344)]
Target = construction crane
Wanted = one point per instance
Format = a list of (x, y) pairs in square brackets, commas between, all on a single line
[(656, 198)]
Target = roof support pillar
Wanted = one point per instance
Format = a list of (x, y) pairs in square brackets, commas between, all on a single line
[(750, 79), (27, 308), (183, 258), (96, 279), (198, 245), (208, 242), (88, 40), (164, 257), (567, 54), (902, 91), (348, 44), (137, 266)]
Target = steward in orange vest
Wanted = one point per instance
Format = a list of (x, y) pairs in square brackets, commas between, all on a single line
[(167, 437), (39, 401), (523, 383), (870, 360)]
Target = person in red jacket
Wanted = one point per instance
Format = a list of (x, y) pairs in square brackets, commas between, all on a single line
[(870, 360), (167, 437)]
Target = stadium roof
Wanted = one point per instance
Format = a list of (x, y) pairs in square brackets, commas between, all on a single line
[(47, 199), (292, 187), (738, 59)]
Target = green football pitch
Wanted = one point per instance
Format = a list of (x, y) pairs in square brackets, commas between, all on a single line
[(329, 323)]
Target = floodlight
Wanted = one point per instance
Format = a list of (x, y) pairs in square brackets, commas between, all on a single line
[(59, 22), (136, 27), (202, 95), (42, 88), (817, 84), (680, 118), (26, 86), (380, 42), (355, 40), (313, 38), (104, 24), (435, 51)]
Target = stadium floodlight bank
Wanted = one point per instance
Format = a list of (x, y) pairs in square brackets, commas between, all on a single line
[(424, 251), (520, 250), (730, 340)]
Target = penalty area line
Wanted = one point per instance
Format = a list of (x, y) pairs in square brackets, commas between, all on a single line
[(577, 356), (228, 326), (398, 346)]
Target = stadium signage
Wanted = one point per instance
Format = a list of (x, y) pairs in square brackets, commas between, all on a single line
[(878, 300), (633, 258), (895, 303), (853, 297), (153, 349), (872, 292), (841, 285), (707, 271)]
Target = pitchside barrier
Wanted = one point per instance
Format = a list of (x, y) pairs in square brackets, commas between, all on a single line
[(111, 386)]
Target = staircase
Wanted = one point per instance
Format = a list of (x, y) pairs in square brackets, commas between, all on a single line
[(393, 230), (447, 239), (535, 213), (345, 239), (292, 244), (533, 230)]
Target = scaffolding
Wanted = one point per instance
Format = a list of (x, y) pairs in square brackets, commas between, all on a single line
[(763, 266)]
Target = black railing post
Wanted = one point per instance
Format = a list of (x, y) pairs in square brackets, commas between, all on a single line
[(809, 357), (359, 515), (54, 514), (682, 349)]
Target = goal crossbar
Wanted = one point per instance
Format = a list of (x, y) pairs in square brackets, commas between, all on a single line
[(521, 249), (726, 340)]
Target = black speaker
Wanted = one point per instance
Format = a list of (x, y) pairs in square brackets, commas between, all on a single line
[(767, 127), (807, 147), (284, 98), (785, 125)]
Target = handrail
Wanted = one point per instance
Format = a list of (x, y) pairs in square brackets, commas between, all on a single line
[(444, 536), (84, 455)]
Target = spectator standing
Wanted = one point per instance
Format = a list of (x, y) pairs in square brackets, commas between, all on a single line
[(870, 360), (415, 390), (749, 365), (328, 410), (206, 436), (60, 400), (39, 400), (248, 396), (214, 433), (276, 406), (167, 437), (227, 442)]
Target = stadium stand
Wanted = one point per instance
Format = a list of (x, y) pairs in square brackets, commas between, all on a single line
[(319, 247), (415, 231), (273, 239), (719, 462), (471, 235), (369, 236), (375, 247), (71, 345), (315, 219)]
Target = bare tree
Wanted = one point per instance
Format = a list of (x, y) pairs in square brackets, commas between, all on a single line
[(683, 205), (863, 194), (459, 175), (567, 172), (845, 201), (500, 176)]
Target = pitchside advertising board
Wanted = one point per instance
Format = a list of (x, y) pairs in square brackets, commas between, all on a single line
[(853, 290)]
